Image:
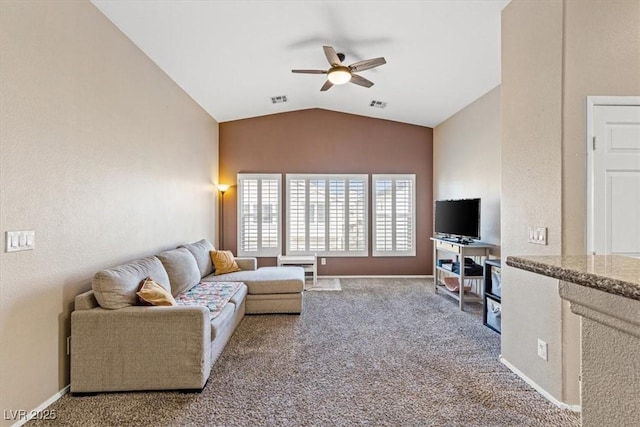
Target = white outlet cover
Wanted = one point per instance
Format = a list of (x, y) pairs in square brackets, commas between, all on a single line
[(542, 349)]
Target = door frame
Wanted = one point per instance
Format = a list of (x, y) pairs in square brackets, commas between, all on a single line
[(592, 102)]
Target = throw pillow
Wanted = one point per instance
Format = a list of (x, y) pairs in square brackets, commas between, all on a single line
[(151, 293), (224, 262)]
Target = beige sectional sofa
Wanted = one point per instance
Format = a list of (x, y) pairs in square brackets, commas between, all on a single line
[(118, 345)]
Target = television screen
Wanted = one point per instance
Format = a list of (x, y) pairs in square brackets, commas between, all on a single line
[(459, 218)]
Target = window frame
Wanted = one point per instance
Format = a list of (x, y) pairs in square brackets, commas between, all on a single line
[(316, 213), (374, 215), (260, 209)]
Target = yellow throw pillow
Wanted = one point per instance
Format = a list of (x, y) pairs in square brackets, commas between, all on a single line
[(150, 293), (224, 262)]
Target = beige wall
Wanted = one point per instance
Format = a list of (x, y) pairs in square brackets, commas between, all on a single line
[(104, 157), (466, 160), (602, 57), (531, 184), (554, 54)]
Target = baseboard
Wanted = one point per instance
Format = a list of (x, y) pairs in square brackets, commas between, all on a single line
[(390, 276), (543, 392), (40, 412)]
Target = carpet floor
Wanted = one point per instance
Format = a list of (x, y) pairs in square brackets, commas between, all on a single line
[(381, 352)]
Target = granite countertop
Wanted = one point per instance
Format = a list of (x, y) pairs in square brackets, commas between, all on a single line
[(614, 274)]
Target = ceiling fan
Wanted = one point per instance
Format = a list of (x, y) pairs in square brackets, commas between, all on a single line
[(340, 74)]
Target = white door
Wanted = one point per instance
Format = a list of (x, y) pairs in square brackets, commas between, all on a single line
[(615, 175)]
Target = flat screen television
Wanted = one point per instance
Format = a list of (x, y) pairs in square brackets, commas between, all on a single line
[(459, 219)]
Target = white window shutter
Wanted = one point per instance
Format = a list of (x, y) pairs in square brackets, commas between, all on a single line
[(394, 216), (259, 215), (327, 215)]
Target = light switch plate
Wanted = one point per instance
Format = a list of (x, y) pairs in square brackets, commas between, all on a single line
[(537, 235), (20, 240)]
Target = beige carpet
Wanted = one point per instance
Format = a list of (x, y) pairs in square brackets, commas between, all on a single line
[(324, 284), (383, 352)]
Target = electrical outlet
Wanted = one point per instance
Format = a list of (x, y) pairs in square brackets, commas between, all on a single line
[(323, 261), (542, 349)]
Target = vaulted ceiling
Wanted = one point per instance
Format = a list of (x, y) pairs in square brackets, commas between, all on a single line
[(232, 57)]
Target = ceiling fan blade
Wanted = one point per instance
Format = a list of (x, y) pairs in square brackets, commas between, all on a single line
[(326, 86), (331, 55), (367, 64), (310, 71), (361, 81)]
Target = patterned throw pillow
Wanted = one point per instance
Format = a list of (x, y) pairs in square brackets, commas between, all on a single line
[(151, 293), (224, 262)]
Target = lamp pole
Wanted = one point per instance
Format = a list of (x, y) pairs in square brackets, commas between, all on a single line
[(223, 188)]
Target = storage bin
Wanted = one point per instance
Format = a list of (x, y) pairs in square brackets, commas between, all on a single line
[(496, 282), (494, 314)]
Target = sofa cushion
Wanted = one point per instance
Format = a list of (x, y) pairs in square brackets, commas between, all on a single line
[(266, 280), (116, 287), (222, 320), (182, 269), (224, 262), (238, 298), (150, 293), (201, 252), (247, 263)]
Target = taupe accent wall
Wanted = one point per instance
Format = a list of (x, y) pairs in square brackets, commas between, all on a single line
[(103, 156), (321, 141)]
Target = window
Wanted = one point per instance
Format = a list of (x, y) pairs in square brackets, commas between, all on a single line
[(394, 215), (259, 213), (327, 215)]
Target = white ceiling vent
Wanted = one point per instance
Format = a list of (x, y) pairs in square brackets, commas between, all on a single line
[(278, 99), (377, 104)]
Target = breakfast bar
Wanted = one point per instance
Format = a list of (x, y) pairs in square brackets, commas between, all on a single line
[(605, 291)]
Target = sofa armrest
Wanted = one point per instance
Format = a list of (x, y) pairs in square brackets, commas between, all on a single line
[(247, 263), (85, 301), (140, 348)]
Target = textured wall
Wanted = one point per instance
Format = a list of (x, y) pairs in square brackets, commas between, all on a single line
[(610, 357), (320, 141), (554, 55), (466, 160), (602, 57), (104, 157), (531, 184)]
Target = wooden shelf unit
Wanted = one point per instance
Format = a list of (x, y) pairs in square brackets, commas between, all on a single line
[(477, 250)]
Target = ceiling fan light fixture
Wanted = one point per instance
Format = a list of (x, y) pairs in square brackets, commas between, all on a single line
[(339, 75)]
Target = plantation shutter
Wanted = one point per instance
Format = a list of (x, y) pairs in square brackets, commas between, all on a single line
[(394, 219), (327, 215), (259, 215)]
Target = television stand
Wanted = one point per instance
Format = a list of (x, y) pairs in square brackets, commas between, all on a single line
[(443, 248), (461, 240)]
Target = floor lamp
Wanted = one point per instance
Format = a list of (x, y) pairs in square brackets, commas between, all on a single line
[(222, 188)]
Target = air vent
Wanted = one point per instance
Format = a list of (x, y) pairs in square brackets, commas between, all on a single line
[(377, 104), (278, 99)]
